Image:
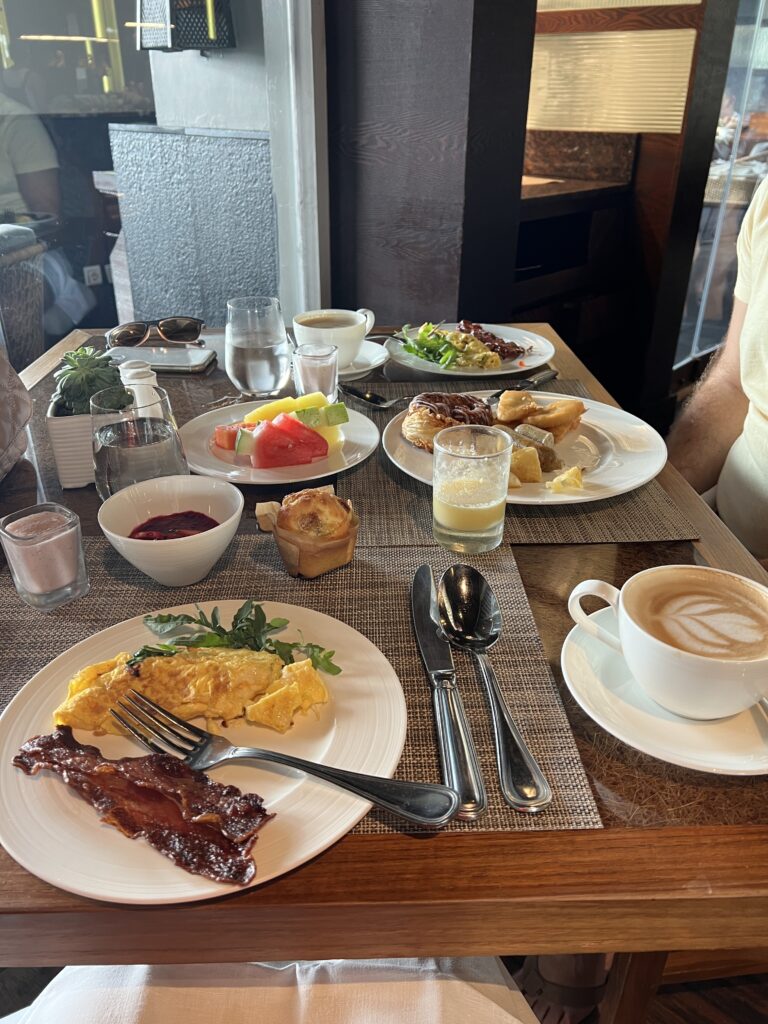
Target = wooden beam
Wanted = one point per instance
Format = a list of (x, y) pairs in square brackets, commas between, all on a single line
[(618, 19)]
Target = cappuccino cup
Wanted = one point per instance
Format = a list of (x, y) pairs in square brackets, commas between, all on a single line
[(694, 638), (344, 328)]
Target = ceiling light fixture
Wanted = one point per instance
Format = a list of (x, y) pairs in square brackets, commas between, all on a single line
[(65, 39)]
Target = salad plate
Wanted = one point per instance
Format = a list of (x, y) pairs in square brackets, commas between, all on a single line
[(538, 352), (361, 439), (57, 836), (618, 452)]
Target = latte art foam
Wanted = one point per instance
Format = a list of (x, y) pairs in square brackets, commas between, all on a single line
[(702, 613)]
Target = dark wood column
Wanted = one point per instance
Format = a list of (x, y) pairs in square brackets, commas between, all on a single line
[(427, 103)]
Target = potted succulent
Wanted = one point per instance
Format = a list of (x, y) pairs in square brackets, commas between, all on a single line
[(82, 373)]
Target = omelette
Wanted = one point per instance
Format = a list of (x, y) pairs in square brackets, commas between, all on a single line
[(218, 684)]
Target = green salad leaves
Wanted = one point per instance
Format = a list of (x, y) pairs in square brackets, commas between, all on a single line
[(250, 629), (429, 342)]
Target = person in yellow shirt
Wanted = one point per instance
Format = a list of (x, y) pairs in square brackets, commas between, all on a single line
[(720, 440), (29, 168)]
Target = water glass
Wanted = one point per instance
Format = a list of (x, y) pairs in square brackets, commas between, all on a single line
[(257, 354), (134, 438), (44, 549), (316, 368), (469, 487)]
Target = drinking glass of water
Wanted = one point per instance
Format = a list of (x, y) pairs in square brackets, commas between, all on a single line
[(316, 368), (257, 353), (134, 438)]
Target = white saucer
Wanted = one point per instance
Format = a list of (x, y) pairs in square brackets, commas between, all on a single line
[(368, 358), (601, 684)]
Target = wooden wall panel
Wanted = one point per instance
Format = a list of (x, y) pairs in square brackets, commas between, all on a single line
[(617, 19)]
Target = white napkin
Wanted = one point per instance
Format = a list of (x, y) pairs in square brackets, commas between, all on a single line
[(448, 991)]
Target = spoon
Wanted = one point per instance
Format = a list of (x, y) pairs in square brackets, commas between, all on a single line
[(471, 619)]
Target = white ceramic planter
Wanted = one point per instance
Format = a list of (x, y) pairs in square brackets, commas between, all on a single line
[(72, 443)]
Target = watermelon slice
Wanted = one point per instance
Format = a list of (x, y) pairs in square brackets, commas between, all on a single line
[(274, 448), (225, 434), (304, 435)]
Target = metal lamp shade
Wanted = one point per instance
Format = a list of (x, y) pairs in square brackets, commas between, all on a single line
[(184, 25)]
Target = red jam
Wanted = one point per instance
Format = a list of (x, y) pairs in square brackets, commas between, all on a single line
[(170, 527)]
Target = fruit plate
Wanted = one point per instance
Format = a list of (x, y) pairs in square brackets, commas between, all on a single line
[(361, 439)]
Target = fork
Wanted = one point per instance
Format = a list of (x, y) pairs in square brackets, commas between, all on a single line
[(422, 803), (377, 401)]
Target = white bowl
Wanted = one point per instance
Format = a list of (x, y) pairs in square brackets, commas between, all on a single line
[(184, 560)]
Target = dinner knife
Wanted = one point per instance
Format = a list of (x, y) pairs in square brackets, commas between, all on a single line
[(534, 381), (458, 757)]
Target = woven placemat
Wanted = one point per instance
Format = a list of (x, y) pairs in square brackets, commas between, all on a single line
[(371, 595), (644, 515)]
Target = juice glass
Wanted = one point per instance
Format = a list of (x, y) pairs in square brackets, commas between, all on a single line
[(469, 487)]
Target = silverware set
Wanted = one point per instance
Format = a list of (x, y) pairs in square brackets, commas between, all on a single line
[(377, 401), (463, 612)]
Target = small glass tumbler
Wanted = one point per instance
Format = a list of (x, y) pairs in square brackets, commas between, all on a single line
[(316, 368), (45, 555), (469, 487), (134, 438)]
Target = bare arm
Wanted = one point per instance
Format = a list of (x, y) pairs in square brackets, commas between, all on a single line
[(40, 191), (713, 417)]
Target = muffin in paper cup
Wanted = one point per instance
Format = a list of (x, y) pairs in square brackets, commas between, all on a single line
[(315, 531)]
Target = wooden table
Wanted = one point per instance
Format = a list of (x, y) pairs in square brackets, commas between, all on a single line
[(680, 865)]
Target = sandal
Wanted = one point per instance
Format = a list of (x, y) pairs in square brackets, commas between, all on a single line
[(552, 1002)]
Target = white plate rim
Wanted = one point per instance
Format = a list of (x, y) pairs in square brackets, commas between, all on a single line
[(580, 691), (543, 351), (656, 455), (353, 372), (195, 435), (377, 754)]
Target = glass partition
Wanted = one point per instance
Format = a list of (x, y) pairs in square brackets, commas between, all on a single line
[(136, 162), (739, 163)]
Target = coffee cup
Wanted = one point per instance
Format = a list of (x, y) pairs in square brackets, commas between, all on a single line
[(344, 328), (694, 638)]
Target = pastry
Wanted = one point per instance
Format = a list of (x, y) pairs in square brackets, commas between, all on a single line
[(558, 417), (316, 514), (514, 406), (315, 531), (433, 411)]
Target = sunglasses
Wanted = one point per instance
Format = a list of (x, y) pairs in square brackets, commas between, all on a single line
[(174, 330)]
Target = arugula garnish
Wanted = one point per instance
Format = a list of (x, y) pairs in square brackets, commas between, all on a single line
[(250, 629)]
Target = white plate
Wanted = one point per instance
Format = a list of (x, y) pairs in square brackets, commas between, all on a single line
[(370, 356), (602, 685), (56, 835), (618, 451), (540, 351), (361, 439)]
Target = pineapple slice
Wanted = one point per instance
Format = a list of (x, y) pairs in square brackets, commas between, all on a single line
[(317, 398), (271, 409)]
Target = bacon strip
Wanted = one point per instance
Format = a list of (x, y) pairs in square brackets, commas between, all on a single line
[(204, 827), (505, 349)]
